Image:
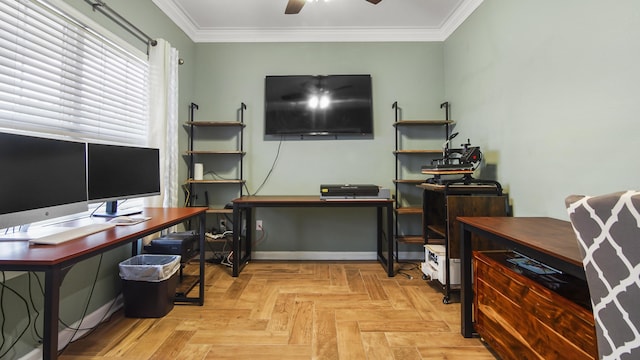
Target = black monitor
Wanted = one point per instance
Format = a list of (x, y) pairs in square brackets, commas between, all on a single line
[(318, 105), (40, 179), (118, 172)]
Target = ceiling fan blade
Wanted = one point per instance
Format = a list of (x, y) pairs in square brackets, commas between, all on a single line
[(374, 2), (294, 6)]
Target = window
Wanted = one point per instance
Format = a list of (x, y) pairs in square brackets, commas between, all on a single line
[(61, 78)]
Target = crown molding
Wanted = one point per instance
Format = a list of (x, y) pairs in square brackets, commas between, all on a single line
[(324, 34), (178, 16), (318, 35), (459, 16)]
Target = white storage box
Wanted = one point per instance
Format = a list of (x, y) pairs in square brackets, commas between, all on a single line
[(434, 265)]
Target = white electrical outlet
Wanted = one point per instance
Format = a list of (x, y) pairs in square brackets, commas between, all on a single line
[(258, 224)]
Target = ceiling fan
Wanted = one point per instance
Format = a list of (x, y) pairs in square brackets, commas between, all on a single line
[(294, 6)]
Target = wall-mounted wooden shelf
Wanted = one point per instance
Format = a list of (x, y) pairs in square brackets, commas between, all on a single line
[(229, 181), (215, 152), (208, 155), (406, 204), (423, 122), (416, 151), (215, 123)]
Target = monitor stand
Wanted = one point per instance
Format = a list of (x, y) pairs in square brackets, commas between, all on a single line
[(112, 211)]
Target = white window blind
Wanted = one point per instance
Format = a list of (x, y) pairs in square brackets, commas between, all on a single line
[(59, 77)]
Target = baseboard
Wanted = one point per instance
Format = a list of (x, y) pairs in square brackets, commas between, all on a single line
[(90, 321), (329, 255), (313, 255)]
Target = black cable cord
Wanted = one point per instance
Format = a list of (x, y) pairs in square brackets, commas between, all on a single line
[(413, 266), (403, 270), (213, 250), (104, 317), (2, 312), (96, 209), (90, 329), (218, 255), (86, 308), (394, 256), (35, 320), (104, 203), (273, 165), (26, 304)]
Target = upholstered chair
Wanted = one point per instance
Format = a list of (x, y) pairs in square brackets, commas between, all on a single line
[(608, 232)]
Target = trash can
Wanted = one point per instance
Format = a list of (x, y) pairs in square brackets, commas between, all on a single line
[(149, 285)]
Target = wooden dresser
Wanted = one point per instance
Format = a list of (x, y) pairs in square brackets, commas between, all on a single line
[(519, 315)]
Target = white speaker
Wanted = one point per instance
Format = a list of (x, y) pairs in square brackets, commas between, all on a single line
[(198, 171)]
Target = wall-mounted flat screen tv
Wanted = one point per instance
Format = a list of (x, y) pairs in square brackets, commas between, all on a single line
[(318, 105)]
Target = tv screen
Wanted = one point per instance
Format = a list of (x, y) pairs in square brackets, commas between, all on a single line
[(120, 172), (41, 179), (318, 105)]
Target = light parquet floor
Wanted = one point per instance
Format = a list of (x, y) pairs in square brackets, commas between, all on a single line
[(294, 310)]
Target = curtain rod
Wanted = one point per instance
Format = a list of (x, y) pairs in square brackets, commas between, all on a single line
[(102, 7)]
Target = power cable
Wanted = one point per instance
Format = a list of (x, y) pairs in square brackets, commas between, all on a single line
[(3, 286), (35, 320), (86, 308), (273, 165)]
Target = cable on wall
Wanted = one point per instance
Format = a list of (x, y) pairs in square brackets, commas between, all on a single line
[(103, 8)]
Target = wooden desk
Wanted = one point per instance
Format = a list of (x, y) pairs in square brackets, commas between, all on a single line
[(243, 210), (54, 260), (547, 240)]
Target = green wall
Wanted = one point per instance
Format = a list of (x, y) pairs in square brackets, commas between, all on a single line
[(549, 90), (227, 74)]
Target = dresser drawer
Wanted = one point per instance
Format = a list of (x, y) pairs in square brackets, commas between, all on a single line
[(523, 315)]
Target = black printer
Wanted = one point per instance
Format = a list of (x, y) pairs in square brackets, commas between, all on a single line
[(184, 244)]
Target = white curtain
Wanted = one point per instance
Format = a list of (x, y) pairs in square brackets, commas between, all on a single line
[(163, 122)]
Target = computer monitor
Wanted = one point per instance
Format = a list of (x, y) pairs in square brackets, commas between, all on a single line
[(118, 172), (40, 179)]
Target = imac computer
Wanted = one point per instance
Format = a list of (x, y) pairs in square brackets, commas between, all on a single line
[(116, 172), (41, 179)]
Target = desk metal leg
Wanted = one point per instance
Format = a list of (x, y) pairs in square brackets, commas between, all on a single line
[(203, 229), (466, 290), (243, 258), (236, 240), (241, 246), (385, 251), (52, 279), (390, 269)]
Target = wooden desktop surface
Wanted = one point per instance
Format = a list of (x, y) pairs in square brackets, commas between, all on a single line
[(547, 235), (21, 253), (298, 200)]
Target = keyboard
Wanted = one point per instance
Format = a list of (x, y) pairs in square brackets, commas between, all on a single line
[(71, 234), (126, 220)]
